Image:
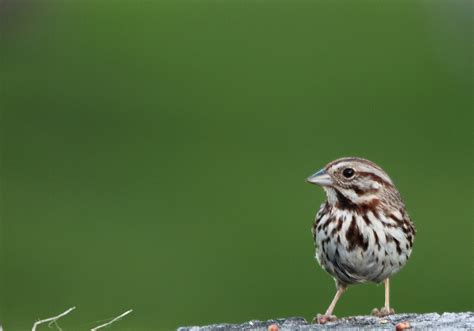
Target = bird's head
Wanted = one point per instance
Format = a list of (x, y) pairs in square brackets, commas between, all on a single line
[(355, 181)]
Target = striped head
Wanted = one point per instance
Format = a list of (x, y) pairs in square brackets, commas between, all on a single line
[(353, 183)]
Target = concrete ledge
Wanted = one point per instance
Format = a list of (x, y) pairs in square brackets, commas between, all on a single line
[(435, 321)]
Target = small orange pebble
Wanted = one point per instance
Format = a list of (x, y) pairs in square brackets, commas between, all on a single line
[(273, 327), (402, 326)]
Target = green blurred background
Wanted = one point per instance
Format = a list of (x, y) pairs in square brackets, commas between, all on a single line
[(154, 154)]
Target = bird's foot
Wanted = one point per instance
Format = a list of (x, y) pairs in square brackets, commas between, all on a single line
[(323, 319), (382, 312)]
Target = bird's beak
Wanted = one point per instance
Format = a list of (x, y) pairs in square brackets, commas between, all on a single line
[(320, 178)]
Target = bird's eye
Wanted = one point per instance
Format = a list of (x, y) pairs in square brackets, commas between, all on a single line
[(348, 172)]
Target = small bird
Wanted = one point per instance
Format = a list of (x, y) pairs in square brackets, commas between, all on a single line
[(362, 232)]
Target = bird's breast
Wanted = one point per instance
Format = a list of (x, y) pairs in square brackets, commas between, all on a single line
[(356, 248)]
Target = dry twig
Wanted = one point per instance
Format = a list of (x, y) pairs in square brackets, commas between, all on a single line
[(52, 320), (112, 321)]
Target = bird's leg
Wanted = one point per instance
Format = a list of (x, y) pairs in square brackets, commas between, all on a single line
[(386, 310), (387, 294), (328, 317)]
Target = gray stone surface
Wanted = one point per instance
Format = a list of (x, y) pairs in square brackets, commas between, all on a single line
[(431, 321)]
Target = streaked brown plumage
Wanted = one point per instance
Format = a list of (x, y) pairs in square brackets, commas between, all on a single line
[(362, 232)]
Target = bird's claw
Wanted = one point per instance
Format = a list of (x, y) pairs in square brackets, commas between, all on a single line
[(382, 312), (323, 319)]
